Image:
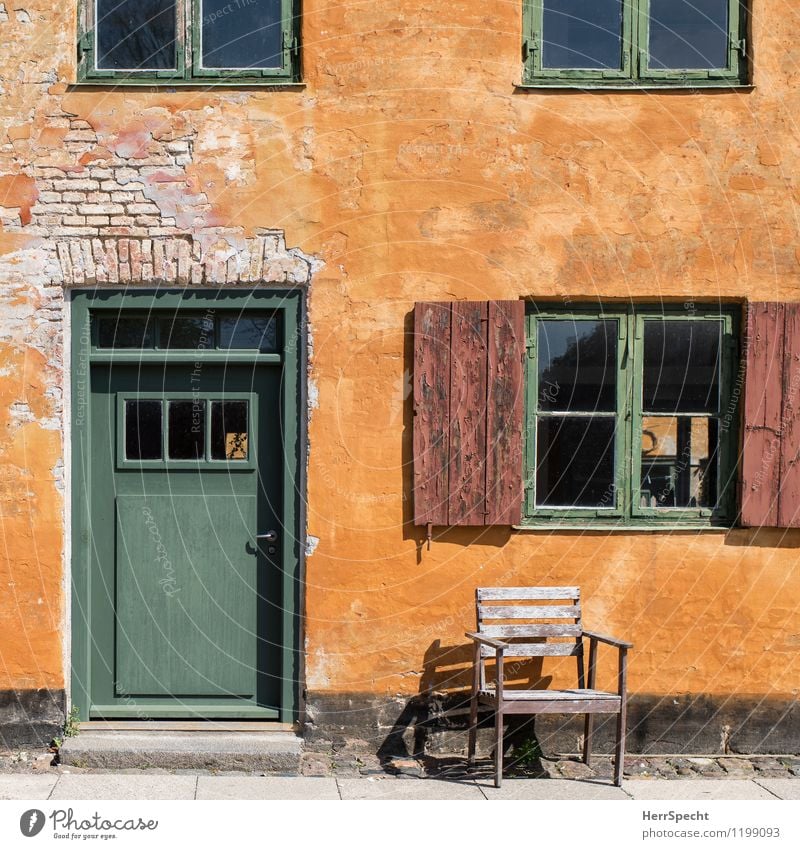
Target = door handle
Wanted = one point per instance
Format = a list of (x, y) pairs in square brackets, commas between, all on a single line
[(269, 536)]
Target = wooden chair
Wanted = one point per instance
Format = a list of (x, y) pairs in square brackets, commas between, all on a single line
[(517, 622)]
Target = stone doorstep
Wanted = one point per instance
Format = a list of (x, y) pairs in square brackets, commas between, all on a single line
[(268, 752)]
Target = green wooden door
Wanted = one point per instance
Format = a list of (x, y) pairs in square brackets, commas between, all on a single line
[(185, 468)]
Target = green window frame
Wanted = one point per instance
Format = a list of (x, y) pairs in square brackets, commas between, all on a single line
[(625, 507), (635, 69), (189, 68)]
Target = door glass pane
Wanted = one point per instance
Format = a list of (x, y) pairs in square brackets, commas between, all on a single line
[(582, 34), (688, 34), (136, 34), (242, 34), (195, 332), (679, 461), (681, 366), (186, 430), (124, 332), (575, 462), (577, 365), (229, 430), (259, 332), (143, 430)]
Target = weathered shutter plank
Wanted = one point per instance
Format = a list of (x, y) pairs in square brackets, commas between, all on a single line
[(505, 412), (789, 497), (468, 413), (431, 430), (763, 410)]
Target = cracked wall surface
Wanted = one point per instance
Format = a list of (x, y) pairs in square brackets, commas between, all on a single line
[(411, 165)]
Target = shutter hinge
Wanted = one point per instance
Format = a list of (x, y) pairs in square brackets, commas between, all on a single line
[(291, 44), (530, 46), (739, 44), (85, 43)]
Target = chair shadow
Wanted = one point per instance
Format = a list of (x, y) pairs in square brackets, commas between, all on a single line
[(439, 715)]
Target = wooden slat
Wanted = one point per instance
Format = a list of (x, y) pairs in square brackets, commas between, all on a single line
[(532, 630), (512, 611), (527, 593), (789, 496), (467, 480), (552, 695), (557, 706), (504, 412), (762, 414), (537, 650), (431, 430)]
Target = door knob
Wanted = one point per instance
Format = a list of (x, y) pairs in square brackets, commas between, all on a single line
[(269, 536)]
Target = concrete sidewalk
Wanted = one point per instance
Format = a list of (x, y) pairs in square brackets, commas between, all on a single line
[(159, 785)]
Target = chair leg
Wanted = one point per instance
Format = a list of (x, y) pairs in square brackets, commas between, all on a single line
[(498, 751), (473, 730), (620, 756), (588, 729)]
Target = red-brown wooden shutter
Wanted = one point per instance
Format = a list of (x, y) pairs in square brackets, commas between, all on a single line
[(771, 445), (468, 412)]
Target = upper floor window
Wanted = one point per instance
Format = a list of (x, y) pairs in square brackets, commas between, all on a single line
[(188, 41), (635, 42)]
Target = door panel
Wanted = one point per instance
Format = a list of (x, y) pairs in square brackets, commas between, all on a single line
[(186, 595)]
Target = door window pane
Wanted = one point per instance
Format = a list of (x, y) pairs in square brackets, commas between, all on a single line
[(582, 34), (681, 366), (195, 332), (688, 34), (124, 332), (575, 461), (679, 461), (259, 332), (229, 430), (577, 365), (136, 34), (242, 34), (143, 430), (186, 430)]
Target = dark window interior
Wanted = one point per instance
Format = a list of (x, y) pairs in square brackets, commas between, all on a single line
[(136, 34)]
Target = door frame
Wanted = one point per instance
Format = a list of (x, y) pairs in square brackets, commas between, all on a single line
[(291, 305)]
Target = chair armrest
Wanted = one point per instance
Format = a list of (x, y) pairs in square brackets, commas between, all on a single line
[(611, 641), (497, 645)]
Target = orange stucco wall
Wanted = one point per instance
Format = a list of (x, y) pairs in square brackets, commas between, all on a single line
[(412, 166)]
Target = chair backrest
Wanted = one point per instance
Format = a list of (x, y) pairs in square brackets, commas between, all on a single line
[(528, 617)]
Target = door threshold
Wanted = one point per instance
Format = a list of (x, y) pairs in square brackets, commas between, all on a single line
[(208, 725)]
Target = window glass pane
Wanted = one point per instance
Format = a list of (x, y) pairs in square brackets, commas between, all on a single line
[(688, 34), (582, 34), (681, 366), (187, 332), (229, 430), (679, 461), (577, 365), (143, 430), (242, 34), (259, 332), (575, 461), (124, 332), (186, 430), (136, 34)]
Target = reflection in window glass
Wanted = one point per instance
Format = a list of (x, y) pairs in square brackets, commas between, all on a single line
[(582, 34), (143, 430), (577, 365), (136, 34), (688, 34), (229, 430), (575, 461), (186, 430), (243, 34), (681, 366), (259, 332), (195, 332), (679, 461), (124, 332)]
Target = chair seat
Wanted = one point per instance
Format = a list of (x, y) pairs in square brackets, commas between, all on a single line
[(549, 695)]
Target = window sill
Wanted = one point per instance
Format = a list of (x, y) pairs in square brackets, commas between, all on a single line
[(197, 85), (649, 87), (620, 528)]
